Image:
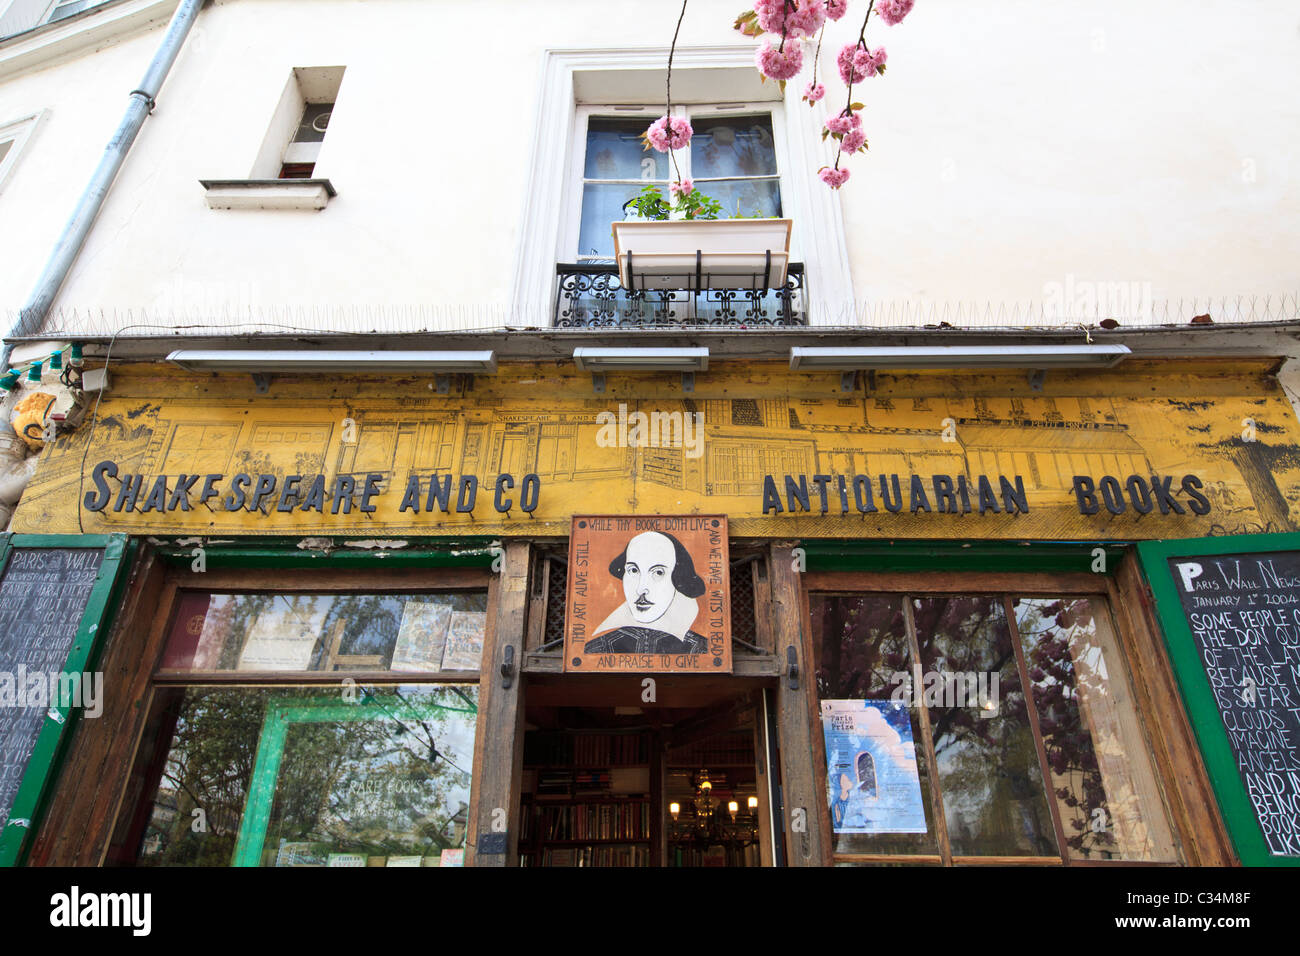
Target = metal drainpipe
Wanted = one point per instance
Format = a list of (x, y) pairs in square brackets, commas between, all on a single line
[(83, 217)]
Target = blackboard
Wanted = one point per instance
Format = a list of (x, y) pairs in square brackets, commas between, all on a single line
[(43, 596), (1243, 613)]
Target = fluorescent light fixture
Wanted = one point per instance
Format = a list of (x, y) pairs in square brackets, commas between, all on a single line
[(337, 361), (649, 360), (959, 356)]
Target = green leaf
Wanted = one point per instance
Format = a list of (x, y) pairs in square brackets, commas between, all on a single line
[(856, 106)]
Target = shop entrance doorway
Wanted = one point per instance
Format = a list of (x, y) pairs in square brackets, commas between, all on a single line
[(640, 783)]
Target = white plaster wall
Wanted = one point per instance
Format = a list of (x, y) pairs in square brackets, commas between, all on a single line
[(1012, 146), (85, 99)]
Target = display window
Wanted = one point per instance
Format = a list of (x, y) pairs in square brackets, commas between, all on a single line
[(975, 726), (315, 726)]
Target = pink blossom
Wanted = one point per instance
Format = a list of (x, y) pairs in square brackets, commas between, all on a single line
[(893, 11), (853, 141), (794, 20), (683, 188), (840, 124), (808, 19), (835, 178), (663, 140), (778, 64), (856, 63), (771, 15), (853, 62), (836, 8), (813, 93)]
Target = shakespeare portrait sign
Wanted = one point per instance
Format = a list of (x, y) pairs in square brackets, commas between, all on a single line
[(648, 594)]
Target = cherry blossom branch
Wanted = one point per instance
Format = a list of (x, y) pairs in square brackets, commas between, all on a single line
[(817, 57), (848, 105), (668, 110), (668, 90)]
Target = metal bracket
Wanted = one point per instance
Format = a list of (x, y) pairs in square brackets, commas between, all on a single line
[(848, 381), (508, 666), (688, 381), (792, 668), (262, 382), (442, 383), (598, 382), (1036, 377), (148, 100)]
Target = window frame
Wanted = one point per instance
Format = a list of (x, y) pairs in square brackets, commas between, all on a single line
[(564, 73), (136, 647), (576, 180), (1004, 587), (19, 133)]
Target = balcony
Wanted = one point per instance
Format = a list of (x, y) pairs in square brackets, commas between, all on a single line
[(590, 296)]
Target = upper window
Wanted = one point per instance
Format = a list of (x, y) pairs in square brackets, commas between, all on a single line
[(734, 157), (13, 137), (66, 8), (293, 141), (300, 155)]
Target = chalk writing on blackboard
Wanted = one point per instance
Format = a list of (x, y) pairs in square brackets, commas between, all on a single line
[(43, 595), (1244, 614)]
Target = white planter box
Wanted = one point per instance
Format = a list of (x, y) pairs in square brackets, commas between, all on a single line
[(702, 253)]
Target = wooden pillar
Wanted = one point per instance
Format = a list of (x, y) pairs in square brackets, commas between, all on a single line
[(803, 785), (499, 736)]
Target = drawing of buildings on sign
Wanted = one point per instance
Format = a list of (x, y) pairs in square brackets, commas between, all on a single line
[(124, 438), (483, 443)]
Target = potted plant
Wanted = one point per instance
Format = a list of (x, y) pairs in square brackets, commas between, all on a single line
[(685, 245)]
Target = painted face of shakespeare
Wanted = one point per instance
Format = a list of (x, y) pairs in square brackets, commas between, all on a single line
[(648, 576)]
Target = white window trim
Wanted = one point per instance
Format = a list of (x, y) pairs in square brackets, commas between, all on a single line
[(572, 198), (544, 238), (20, 132)]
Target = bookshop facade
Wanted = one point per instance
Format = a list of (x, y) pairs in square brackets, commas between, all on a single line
[(950, 618)]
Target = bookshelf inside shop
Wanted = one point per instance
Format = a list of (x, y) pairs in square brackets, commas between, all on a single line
[(634, 799), (588, 800)]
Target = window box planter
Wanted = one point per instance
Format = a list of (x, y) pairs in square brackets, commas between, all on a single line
[(698, 254)]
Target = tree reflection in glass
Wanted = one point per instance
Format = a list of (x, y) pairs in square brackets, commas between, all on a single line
[(1106, 801), (388, 776), (993, 794), (862, 646)]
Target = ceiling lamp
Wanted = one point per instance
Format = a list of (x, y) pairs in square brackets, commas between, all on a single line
[(598, 361)]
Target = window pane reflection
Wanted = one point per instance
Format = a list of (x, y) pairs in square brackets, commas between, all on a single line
[(749, 198), (602, 204), (1101, 778), (732, 146), (862, 647), (301, 777), (615, 151), (327, 632), (993, 795)]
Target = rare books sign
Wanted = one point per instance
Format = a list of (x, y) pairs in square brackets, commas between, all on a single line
[(648, 594)]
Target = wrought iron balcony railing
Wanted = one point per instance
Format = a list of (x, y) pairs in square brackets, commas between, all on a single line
[(589, 295)]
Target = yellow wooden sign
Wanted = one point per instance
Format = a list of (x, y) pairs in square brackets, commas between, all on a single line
[(1146, 450)]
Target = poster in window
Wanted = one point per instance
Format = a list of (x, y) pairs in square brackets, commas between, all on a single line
[(464, 647), (648, 594), (284, 635), (421, 637), (873, 785)]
